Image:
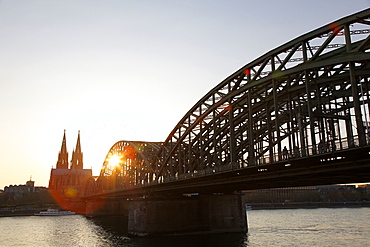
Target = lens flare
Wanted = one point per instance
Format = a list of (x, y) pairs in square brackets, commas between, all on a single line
[(129, 152), (229, 107), (114, 160), (70, 192), (334, 27)]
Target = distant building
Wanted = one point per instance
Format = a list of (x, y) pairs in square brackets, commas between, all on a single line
[(297, 194), (326, 193), (17, 191)]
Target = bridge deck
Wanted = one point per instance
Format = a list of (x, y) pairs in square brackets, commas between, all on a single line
[(340, 167)]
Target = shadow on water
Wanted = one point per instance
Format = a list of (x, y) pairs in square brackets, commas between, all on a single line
[(112, 224), (200, 240), (114, 231)]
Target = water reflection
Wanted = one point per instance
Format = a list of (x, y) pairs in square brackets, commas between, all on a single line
[(298, 227), (201, 240), (77, 230), (113, 230)]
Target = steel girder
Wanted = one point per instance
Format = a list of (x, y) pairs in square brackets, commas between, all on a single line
[(128, 163), (310, 95), (306, 97)]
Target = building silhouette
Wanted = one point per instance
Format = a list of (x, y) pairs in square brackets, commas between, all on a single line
[(323, 193), (14, 192), (67, 180)]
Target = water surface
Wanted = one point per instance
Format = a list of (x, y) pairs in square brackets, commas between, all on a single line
[(286, 227)]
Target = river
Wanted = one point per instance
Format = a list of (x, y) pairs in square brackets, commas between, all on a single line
[(283, 227)]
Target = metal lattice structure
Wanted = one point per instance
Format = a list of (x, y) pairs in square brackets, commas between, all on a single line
[(128, 163), (306, 97)]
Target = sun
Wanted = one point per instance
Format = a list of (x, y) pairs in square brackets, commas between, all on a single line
[(114, 160)]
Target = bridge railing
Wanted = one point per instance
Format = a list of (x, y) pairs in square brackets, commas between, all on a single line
[(320, 148), (332, 146)]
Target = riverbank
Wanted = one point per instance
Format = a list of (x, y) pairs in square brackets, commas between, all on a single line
[(20, 212), (255, 206), (297, 205)]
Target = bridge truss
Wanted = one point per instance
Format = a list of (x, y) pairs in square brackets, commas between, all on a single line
[(307, 97)]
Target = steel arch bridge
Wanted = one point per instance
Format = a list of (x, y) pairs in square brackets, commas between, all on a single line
[(306, 98)]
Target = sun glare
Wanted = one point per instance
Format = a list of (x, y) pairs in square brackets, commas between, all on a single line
[(114, 160)]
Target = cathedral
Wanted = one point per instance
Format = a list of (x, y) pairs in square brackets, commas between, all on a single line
[(68, 180)]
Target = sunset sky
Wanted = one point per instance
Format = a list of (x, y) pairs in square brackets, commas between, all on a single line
[(125, 70)]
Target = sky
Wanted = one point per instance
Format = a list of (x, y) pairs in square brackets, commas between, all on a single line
[(125, 70)]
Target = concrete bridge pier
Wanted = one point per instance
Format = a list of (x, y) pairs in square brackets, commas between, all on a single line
[(107, 207), (221, 213)]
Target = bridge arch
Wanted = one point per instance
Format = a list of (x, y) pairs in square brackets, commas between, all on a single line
[(307, 97), (128, 163), (90, 187)]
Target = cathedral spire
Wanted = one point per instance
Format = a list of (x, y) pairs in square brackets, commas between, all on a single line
[(78, 145), (77, 157), (62, 162)]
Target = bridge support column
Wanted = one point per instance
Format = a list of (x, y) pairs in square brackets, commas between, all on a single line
[(196, 214), (107, 207)]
